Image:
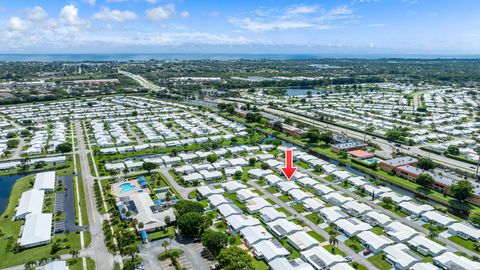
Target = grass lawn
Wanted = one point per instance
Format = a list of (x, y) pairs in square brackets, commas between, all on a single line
[(303, 165), (313, 217), (378, 230), (76, 264), (468, 244), (161, 234), (280, 209), (429, 227), (358, 266), (392, 209), (298, 207), (335, 250), (284, 198), (258, 192), (293, 252), (354, 245), (270, 201), (379, 262), (272, 190), (259, 265), (317, 236)]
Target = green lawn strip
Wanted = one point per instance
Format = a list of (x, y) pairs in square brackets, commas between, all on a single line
[(313, 217), (393, 209), (161, 234), (298, 207), (81, 190), (335, 250), (317, 236), (259, 264), (280, 209), (284, 198), (468, 244), (379, 262), (270, 201), (354, 245), (258, 192), (378, 230), (76, 264), (293, 252), (87, 238), (271, 190)]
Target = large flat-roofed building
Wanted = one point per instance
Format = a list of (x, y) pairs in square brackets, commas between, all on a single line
[(37, 230), (31, 203), (45, 181), (348, 146), (393, 164)]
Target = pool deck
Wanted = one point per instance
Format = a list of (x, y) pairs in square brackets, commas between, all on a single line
[(117, 190)]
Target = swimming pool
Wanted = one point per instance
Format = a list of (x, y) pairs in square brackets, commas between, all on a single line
[(372, 160), (126, 187)]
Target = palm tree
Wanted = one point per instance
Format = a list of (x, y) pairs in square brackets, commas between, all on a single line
[(165, 244), (434, 231)]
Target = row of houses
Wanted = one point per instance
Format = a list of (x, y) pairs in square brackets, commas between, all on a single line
[(37, 229)]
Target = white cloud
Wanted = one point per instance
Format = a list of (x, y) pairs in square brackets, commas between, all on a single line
[(378, 25), (302, 9), (290, 18), (36, 13), (185, 14), (151, 1), (90, 2), (17, 24), (69, 15), (107, 14), (160, 13)]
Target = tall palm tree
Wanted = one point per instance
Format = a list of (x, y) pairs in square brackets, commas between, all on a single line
[(165, 244)]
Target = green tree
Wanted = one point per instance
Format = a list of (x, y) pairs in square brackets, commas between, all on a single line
[(251, 161), (394, 135), (453, 150), (237, 175), (313, 136), (424, 180), (149, 166), (277, 126), (234, 258), (64, 148), (212, 158), (475, 217), (214, 241), (191, 224), (185, 206), (425, 163), (11, 135), (462, 190), (326, 137), (12, 143), (387, 200)]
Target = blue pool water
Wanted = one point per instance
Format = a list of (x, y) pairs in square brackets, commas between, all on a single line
[(6, 185), (126, 187), (372, 160)]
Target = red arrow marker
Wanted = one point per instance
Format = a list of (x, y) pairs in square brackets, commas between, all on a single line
[(289, 170)]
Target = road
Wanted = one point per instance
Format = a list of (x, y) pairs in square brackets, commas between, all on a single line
[(384, 144), (355, 256), (97, 249), (142, 81)]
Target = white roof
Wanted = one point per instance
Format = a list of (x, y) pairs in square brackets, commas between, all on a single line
[(255, 234), (416, 208), (397, 198), (283, 227), (31, 202), (256, 203), (323, 189), (299, 195), (285, 264), (45, 180), (302, 240), (313, 203), (233, 185), (336, 198), (270, 249), (273, 179), (320, 258), (439, 218), (342, 266), (238, 222), (217, 200), (356, 207), (374, 240), (245, 194), (228, 210), (286, 186), (352, 226), (465, 229), (342, 175), (56, 265), (424, 266), (37, 229), (400, 231), (333, 213), (401, 255), (426, 244), (379, 218), (269, 213), (451, 260)]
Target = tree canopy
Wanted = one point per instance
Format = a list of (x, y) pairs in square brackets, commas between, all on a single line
[(462, 190), (234, 258)]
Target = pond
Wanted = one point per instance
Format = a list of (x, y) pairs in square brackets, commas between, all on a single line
[(6, 185), (299, 92)]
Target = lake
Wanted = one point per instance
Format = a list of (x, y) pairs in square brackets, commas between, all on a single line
[(299, 92), (6, 183)]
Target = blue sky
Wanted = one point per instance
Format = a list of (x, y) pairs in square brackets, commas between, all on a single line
[(280, 26)]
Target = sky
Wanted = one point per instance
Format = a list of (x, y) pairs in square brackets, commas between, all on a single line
[(241, 26)]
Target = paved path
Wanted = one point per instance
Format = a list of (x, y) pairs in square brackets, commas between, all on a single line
[(193, 257), (97, 249), (355, 256)]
